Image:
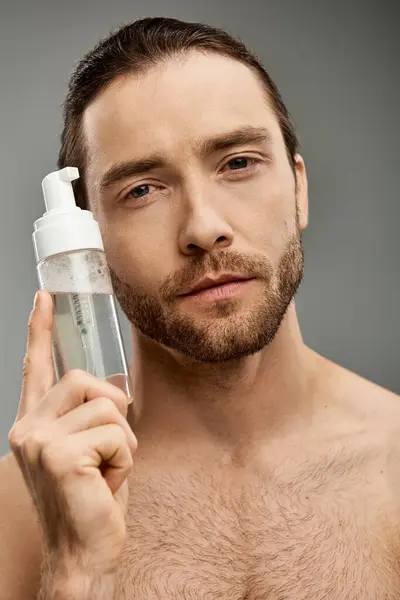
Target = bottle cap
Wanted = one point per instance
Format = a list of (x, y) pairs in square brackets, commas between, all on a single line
[(64, 227)]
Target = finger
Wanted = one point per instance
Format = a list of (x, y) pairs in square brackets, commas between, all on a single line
[(84, 452), (38, 372), (73, 390), (97, 412)]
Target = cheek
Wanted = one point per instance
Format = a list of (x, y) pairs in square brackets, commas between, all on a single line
[(267, 216), (137, 253)]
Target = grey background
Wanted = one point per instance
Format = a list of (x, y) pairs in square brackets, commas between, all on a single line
[(336, 63)]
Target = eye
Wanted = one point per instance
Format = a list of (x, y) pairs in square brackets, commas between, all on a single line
[(139, 192), (240, 166), (239, 162), (143, 194)]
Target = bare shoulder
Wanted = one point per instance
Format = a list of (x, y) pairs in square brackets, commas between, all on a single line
[(20, 545), (365, 418), (361, 402), (359, 422)]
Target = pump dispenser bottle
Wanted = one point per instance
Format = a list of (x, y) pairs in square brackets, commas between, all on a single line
[(71, 266)]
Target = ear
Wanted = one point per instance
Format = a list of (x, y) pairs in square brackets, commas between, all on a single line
[(301, 191)]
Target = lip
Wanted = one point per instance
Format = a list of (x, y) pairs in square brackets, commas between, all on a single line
[(211, 282)]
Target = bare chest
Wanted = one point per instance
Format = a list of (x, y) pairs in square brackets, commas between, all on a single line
[(320, 534)]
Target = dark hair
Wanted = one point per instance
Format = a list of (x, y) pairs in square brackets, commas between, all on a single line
[(134, 48)]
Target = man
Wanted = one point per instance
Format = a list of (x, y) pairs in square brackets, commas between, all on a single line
[(262, 470)]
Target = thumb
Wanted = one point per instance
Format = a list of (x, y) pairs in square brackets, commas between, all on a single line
[(38, 371)]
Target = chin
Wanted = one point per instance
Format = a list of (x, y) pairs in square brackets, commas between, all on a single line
[(223, 350), (226, 336)]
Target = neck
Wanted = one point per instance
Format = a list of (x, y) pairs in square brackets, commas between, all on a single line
[(234, 403)]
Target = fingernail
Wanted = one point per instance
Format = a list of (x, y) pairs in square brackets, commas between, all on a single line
[(36, 302)]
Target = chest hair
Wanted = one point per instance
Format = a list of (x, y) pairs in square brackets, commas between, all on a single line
[(309, 529)]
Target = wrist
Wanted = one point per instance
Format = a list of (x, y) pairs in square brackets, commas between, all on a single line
[(71, 582), (85, 586)]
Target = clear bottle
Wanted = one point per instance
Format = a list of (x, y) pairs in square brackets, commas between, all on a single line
[(71, 266)]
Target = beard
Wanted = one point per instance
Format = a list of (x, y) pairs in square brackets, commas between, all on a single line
[(226, 330)]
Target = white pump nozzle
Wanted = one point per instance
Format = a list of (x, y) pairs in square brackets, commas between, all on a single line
[(64, 227), (57, 189)]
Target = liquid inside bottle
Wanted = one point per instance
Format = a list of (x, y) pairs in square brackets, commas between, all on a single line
[(86, 336)]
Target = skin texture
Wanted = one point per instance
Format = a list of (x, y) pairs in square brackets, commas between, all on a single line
[(263, 470)]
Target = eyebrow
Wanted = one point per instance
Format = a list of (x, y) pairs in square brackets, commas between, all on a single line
[(123, 170), (245, 135), (239, 137)]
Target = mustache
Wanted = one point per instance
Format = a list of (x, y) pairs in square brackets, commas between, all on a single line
[(215, 264)]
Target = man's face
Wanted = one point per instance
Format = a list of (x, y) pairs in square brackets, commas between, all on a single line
[(188, 178)]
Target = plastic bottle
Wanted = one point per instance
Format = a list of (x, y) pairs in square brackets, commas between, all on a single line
[(71, 266)]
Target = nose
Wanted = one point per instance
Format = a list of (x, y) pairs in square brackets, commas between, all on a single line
[(204, 229)]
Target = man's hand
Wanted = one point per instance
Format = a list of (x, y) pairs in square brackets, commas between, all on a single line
[(75, 450)]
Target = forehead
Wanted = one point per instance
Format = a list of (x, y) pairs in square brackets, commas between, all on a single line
[(172, 107)]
